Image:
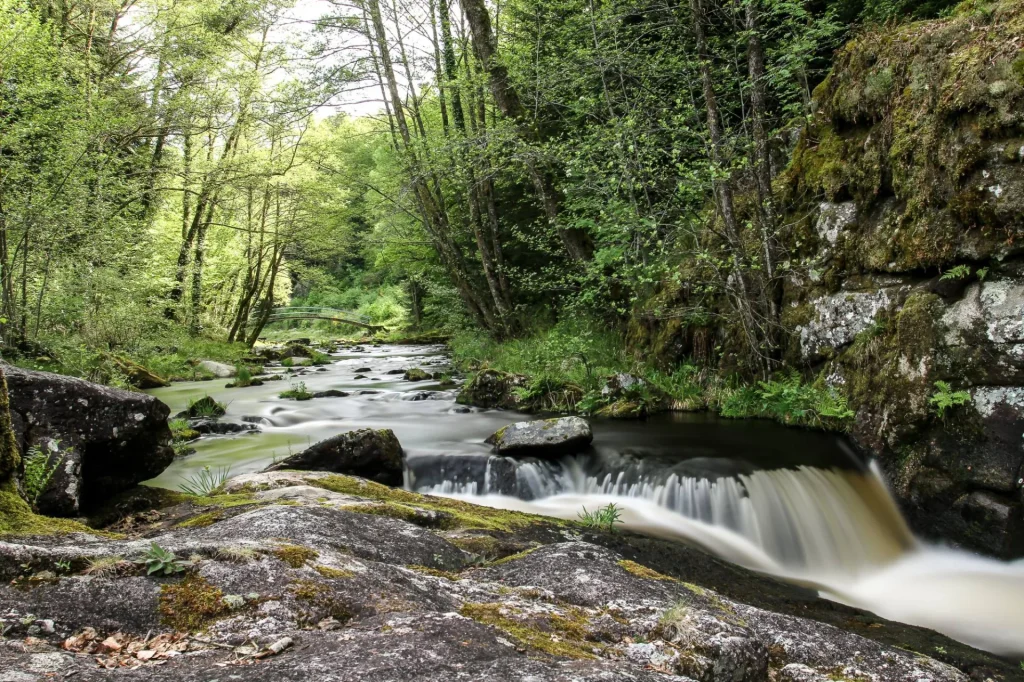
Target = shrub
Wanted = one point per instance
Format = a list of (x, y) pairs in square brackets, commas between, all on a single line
[(789, 401)]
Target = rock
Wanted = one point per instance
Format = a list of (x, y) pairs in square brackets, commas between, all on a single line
[(395, 371), (415, 396), (493, 389), (331, 393), (364, 369), (416, 374), (252, 382), (299, 342), (359, 376), (218, 369), (621, 409), (373, 585), (204, 408), (106, 440), (543, 438), (213, 426), (137, 375), (376, 455)]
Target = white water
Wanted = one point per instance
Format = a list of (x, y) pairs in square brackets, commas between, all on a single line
[(836, 531)]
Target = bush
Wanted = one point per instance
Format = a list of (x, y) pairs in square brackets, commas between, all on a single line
[(789, 401)]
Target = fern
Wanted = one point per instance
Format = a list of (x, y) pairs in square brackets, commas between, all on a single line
[(946, 398), (39, 470), (957, 272)]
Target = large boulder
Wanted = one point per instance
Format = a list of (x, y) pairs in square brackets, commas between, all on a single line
[(543, 437), (218, 369), (493, 389), (373, 454), (102, 440)]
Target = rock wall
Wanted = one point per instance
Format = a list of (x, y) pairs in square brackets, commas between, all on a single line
[(914, 166)]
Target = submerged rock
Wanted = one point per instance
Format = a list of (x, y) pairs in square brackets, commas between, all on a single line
[(543, 438), (213, 426), (373, 454), (218, 369), (331, 393), (102, 440)]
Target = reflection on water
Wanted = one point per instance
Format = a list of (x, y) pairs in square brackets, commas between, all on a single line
[(791, 503)]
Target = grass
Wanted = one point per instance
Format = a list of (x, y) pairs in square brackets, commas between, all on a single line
[(604, 518), (791, 401), (296, 392), (205, 482)]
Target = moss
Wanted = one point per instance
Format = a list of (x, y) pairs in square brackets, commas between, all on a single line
[(400, 511), (321, 599), (18, 519), (644, 572), (621, 409), (514, 557), (426, 570), (295, 556), (557, 635), (465, 515), (191, 604), (10, 458), (201, 521), (333, 573)]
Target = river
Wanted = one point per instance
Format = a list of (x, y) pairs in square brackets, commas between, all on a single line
[(791, 503)]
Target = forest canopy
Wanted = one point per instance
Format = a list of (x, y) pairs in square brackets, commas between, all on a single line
[(172, 170)]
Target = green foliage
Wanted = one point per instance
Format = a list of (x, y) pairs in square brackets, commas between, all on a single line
[(603, 518), (789, 401), (205, 407), (957, 272), (243, 376), (946, 398), (160, 561), (40, 465), (206, 481), (296, 392)]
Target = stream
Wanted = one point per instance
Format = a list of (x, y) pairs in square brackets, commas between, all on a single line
[(791, 503)]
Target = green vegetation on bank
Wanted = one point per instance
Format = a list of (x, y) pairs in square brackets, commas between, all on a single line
[(569, 367)]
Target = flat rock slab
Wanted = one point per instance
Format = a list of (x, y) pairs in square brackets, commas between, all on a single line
[(218, 369), (543, 437)]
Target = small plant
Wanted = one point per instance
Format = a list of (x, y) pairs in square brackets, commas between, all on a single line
[(287, 362), (319, 358), (63, 565), (981, 273), (204, 482), (160, 561), (243, 376), (296, 392), (945, 398), (205, 407), (39, 470), (604, 518), (106, 566), (957, 272)]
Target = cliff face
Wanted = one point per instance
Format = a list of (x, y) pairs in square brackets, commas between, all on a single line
[(907, 190)]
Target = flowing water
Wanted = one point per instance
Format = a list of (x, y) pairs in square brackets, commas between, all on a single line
[(790, 503)]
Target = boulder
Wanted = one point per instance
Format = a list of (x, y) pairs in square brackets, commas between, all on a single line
[(493, 389), (331, 393), (215, 427), (373, 454), (103, 440), (137, 375), (416, 374), (299, 342), (543, 437), (218, 369)]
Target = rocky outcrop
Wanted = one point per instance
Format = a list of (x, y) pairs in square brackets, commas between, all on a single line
[(543, 438), (373, 454), (137, 375), (102, 440), (352, 581)]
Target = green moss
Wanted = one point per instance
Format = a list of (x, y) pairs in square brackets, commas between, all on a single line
[(426, 570), (201, 521), (10, 458), (557, 635), (514, 557), (395, 511), (18, 519), (482, 545), (322, 599), (465, 515), (295, 556), (644, 572), (333, 573), (191, 604)]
